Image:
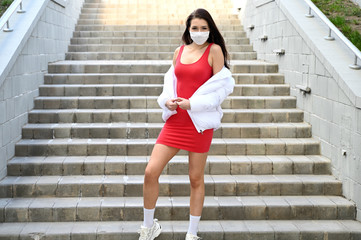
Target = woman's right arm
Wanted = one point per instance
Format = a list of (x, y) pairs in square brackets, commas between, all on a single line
[(164, 100), (175, 55), (170, 103)]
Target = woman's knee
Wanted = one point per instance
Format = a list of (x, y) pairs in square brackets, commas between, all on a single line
[(151, 175), (196, 181)]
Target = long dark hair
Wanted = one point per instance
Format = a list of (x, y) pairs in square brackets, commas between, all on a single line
[(214, 34)]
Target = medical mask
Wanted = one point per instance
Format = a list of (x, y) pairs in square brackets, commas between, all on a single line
[(199, 37)]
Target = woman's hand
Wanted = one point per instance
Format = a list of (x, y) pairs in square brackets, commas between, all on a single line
[(183, 103), (171, 104)]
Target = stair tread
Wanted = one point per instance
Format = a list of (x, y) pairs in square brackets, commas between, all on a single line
[(285, 110), (155, 97), (149, 85), (217, 229), (149, 62), (151, 74), (169, 185), (152, 140), (217, 164), (176, 201), (212, 158), (176, 208), (142, 45), (138, 179), (139, 52), (152, 125)]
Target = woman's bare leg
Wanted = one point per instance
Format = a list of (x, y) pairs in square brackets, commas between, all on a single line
[(197, 163), (161, 155)]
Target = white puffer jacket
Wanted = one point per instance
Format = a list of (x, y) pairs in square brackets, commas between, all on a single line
[(206, 112)]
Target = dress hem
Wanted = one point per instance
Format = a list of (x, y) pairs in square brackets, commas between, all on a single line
[(170, 145)]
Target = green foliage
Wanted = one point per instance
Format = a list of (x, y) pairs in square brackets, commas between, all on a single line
[(346, 30), (335, 7), (355, 38), (356, 12), (338, 21), (6, 3), (339, 12)]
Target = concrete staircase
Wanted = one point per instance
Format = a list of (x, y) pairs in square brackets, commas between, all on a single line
[(78, 170)]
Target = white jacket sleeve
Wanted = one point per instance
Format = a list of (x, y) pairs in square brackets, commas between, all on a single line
[(167, 93), (214, 94)]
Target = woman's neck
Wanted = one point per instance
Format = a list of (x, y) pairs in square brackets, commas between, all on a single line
[(196, 46)]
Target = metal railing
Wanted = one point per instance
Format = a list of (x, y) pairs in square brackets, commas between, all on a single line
[(334, 29), (9, 12)]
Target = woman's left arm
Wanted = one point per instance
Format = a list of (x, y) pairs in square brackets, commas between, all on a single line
[(216, 58)]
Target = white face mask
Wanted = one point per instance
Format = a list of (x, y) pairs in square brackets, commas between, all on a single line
[(199, 37)]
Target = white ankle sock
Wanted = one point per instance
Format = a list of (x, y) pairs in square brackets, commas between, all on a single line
[(148, 217), (193, 224)]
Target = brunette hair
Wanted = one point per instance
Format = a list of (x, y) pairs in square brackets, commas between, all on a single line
[(214, 34)]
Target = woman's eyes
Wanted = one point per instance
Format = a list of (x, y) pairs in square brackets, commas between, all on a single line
[(203, 28)]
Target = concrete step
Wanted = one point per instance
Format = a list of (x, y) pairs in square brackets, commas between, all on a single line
[(162, 3), (167, 48), (161, 8), (155, 115), (142, 56), (176, 208), (175, 230), (123, 20), (154, 22), (135, 165), (115, 31), (147, 66), (146, 5), (152, 130), (134, 147), (152, 90), (146, 40), (149, 102), (162, 12), (150, 78), (178, 12), (115, 15), (169, 186)]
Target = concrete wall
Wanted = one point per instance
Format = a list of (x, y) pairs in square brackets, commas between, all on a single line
[(41, 35), (334, 105)]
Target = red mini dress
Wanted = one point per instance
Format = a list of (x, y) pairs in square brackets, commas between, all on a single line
[(179, 130)]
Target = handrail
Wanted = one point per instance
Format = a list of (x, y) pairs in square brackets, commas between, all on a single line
[(333, 28), (9, 12)]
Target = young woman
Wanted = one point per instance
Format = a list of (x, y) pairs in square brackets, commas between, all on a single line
[(194, 88)]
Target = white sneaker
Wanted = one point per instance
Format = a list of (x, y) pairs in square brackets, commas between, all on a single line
[(150, 233), (191, 237)]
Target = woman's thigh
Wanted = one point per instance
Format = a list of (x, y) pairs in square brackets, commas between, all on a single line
[(197, 163), (159, 158)]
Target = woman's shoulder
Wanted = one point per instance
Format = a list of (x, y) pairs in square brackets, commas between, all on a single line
[(177, 50), (215, 48), (175, 55)]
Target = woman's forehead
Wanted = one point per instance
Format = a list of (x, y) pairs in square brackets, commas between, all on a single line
[(199, 21)]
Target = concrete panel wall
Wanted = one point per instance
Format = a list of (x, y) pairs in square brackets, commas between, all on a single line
[(47, 42), (333, 106)]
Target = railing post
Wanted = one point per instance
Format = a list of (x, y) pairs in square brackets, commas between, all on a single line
[(8, 29), (8, 13), (329, 37), (336, 31), (355, 66), (309, 14), (21, 8)]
